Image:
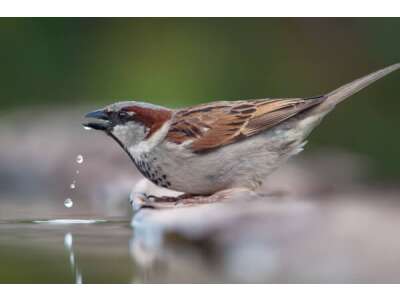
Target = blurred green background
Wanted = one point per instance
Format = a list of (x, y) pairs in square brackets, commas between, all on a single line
[(56, 62)]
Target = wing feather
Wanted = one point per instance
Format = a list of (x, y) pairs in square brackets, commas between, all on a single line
[(209, 126)]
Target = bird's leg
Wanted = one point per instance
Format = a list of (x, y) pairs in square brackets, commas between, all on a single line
[(169, 199), (139, 196), (185, 200), (143, 200)]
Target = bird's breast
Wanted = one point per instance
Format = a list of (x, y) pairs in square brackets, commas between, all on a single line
[(150, 168)]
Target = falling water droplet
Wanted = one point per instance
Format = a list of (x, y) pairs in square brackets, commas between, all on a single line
[(73, 185), (79, 159), (68, 203)]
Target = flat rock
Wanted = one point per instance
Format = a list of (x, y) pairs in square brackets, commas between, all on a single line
[(342, 238)]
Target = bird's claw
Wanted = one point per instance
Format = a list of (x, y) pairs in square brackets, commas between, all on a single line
[(142, 200)]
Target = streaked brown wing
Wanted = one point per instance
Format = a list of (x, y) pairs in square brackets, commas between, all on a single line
[(213, 125)]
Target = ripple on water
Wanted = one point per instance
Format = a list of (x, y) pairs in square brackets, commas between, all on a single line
[(69, 221)]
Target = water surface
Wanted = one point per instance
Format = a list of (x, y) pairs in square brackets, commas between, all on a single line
[(66, 251)]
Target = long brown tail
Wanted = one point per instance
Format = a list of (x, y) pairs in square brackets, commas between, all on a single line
[(351, 88)]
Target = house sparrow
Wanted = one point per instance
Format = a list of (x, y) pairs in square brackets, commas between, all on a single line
[(215, 147)]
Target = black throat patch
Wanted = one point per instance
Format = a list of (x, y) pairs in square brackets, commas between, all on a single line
[(149, 168)]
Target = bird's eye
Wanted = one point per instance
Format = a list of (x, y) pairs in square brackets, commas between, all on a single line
[(123, 115)]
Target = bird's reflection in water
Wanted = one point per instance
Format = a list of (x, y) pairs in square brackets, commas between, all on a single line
[(169, 258), (68, 243)]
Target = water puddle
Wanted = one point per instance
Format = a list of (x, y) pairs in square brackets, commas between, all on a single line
[(66, 250)]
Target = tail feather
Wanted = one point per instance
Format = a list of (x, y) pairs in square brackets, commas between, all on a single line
[(351, 88)]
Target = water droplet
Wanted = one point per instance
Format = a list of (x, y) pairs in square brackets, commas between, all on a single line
[(68, 203), (79, 159), (87, 128), (73, 185), (77, 171)]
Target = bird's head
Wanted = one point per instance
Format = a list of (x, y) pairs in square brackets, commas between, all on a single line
[(130, 122)]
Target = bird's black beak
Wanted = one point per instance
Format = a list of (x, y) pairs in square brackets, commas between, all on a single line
[(103, 122)]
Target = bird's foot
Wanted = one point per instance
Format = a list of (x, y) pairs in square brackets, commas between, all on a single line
[(149, 201), (139, 201), (143, 200)]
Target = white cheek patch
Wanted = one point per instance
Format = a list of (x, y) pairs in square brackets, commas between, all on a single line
[(129, 134), (133, 136), (122, 133), (146, 145)]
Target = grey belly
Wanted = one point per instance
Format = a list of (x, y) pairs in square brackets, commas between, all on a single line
[(243, 164)]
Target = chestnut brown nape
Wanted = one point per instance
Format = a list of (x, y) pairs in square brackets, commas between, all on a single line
[(152, 118)]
